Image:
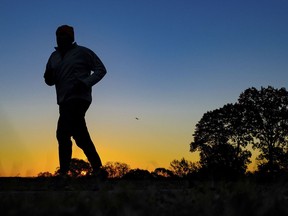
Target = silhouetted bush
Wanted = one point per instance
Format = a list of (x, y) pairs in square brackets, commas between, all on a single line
[(138, 174)]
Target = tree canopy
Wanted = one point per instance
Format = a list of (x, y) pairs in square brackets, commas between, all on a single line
[(259, 118), (266, 120)]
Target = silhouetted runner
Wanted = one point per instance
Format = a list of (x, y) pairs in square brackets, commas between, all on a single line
[(74, 69)]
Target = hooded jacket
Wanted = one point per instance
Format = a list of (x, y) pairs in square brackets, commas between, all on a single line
[(74, 73)]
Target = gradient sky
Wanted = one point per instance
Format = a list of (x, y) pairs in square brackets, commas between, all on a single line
[(168, 62)]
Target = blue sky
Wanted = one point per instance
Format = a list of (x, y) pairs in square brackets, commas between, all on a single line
[(168, 63)]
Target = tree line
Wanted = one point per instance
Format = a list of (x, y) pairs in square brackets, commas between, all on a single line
[(224, 138), (119, 170)]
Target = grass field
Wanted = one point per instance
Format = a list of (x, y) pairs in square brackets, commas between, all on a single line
[(42, 196)]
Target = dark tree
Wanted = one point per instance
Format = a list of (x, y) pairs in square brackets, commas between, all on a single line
[(116, 169), (183, 167), (221, 141), (266, 119), (78, 168), (162, 173), (138, 174)]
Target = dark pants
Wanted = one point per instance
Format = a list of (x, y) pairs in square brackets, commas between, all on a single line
[(72, 123)]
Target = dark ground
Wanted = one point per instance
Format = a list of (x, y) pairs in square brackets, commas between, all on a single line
[(83, 196)]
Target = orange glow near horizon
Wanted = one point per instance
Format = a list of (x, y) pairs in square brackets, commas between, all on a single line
[(145, 144), (47, 161)]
